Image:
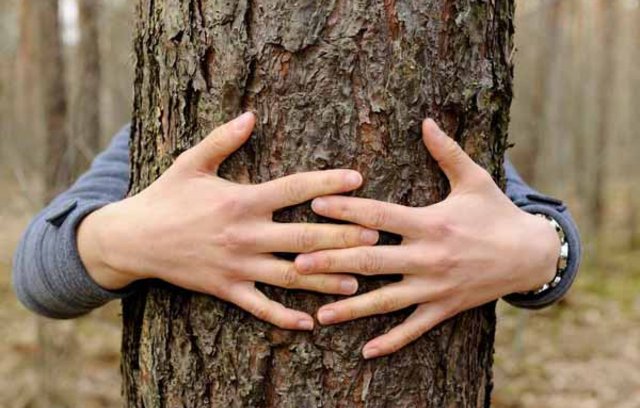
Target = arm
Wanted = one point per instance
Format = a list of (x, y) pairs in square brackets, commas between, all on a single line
[(474, 247), (533, 202), (48, 275)]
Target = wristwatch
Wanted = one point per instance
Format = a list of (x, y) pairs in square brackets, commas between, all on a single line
[(563, 258)]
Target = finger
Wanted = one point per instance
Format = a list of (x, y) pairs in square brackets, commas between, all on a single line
[(298, 188), (284, 274), (455, 163), (306, 237), (378, 260), (389, 298), (424, 318), (207, 155), (374, 214), (255, 302)]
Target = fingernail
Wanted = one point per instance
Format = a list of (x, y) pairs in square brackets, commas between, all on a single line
[(349, 286), (326, 316), (370, 352), (369, 236), (304, 263), (319, 205), (353, 179), (305, 324), (241, 122)]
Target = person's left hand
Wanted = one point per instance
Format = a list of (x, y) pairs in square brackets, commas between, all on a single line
[(474, 247)]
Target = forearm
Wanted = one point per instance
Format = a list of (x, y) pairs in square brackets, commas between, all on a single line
[(533, 202), (96, 244), (49, 276)]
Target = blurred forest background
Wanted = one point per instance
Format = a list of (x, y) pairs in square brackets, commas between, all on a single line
[(66, 85)]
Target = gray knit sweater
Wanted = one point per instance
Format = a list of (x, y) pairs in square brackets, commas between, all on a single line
[(50, 279)]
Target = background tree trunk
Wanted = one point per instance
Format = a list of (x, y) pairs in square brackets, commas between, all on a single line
[(51, 64), (57, 340), (609, 32), (87, 125), (334, 84), (542, 31), (27, 96)]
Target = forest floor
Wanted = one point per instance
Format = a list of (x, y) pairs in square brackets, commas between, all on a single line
[(584, 352)]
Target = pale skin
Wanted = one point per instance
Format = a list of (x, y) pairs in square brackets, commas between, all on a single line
[(198, 231), (474, 247)]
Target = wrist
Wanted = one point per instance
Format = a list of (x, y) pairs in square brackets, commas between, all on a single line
[(98, 242), (544, 245)]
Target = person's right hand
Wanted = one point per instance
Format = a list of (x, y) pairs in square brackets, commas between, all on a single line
[(200, 232)]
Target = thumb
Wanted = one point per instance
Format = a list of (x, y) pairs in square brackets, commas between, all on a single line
[(455, 163), (220, 143)]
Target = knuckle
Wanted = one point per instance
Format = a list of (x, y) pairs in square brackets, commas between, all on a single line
[(306, 239), (414, 261), (230, 204), (442, 228), (349, 236), (444, 261), (410, 335), (214, 142), (289, 277), (370, 263), (379, 218), (261, 312), (349, 312), (385, 303), (326, 262), (339, 208), (394, 346), (453, 150), (231, 238), (293, 190), (320, 283)]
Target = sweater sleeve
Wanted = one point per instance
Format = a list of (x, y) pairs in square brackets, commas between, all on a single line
[(534, 202), (48, 275)]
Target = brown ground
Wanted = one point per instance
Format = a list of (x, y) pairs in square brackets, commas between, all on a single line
[(582, 353)]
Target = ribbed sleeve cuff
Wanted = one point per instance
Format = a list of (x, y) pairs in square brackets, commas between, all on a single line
[(65, 290), (537, 301)]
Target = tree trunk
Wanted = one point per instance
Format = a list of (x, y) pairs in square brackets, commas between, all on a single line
[(537, 42), (635, 84), (28, 99), (608, 29), (58, 363), (51, 70), (87, 129), (334, 84)]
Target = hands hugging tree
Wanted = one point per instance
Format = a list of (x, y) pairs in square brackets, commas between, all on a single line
[(198, 231), (460, 253), (457, 254)]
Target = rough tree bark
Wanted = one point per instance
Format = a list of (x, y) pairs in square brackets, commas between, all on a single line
[(334, 84)]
